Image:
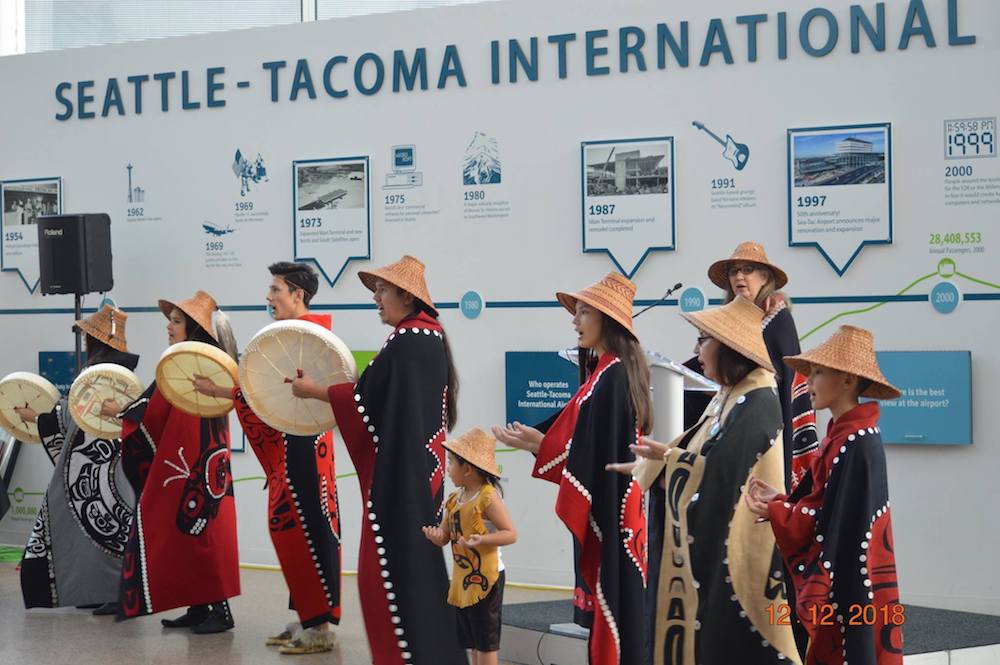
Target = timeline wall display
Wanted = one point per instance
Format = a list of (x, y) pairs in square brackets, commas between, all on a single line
[(628, 198), (840, 189), (23, 201), (520, 149), (332, 212), (971, 173)]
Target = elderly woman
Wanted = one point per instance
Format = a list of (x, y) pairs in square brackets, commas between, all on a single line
[(403, 404), (719, 570), (749, 273)]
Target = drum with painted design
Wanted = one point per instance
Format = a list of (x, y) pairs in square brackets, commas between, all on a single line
[(96, 384)]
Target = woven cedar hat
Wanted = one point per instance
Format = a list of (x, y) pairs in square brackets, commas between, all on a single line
[(745, 252), (852, 350), (737, 325), (199, 308), (478, 449), (108, 326), (407, 274), (613, 296)]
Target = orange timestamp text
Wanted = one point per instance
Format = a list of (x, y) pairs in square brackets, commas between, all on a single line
[(826, 615)]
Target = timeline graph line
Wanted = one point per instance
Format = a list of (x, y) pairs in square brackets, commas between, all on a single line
[(865, 310), (978, 281), (937, 273)]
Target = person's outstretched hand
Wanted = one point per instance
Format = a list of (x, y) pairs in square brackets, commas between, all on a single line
[(519, 436), (436, 535), (650, 449), (758, 495)]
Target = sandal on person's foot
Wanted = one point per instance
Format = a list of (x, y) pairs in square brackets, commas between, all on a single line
[(284, 636), (310, 640), (195, 615)]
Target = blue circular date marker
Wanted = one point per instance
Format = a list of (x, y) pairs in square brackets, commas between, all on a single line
[(692, 300), (945, 297), (471, 304)]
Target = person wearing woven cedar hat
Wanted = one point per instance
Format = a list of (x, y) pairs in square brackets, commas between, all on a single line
[(719, 571), (602, 510), (404, 403), (299, 470), (74, 554), (750, 273), (834, 531), (476, 524), (182, 548)]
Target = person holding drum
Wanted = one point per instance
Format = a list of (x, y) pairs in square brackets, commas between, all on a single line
[(182, 548), (74, 554), (404, 403), (303, 512)]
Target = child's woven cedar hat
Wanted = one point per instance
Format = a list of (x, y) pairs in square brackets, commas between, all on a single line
[(852, 350), (478, 449), (199, 308), (108, 326), (613, 296), (737, 325), (407, 274), (745, 252)]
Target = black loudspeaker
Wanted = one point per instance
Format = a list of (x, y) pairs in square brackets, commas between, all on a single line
[(74, 253)]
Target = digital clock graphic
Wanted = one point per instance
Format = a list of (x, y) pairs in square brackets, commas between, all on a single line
[(970, 138)]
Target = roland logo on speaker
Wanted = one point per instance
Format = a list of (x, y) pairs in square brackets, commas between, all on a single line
[(74, 253)]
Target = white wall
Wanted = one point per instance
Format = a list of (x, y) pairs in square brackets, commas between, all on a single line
[(943, 497)]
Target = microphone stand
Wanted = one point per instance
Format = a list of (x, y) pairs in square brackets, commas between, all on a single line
[(666, 295), (77, 306)]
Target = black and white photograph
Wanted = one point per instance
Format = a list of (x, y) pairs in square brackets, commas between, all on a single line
[(26, 200), (329, 185), (628, 169), (628, 199)]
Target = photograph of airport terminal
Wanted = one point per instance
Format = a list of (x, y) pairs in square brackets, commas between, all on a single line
[(628, 168), (842, 158), (322, 186), (23, 202)]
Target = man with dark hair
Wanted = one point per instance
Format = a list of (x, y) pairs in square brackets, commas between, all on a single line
[(303, 511), (289, 279)]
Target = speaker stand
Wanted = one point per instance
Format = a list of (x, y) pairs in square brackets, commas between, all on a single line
[(77, 315)]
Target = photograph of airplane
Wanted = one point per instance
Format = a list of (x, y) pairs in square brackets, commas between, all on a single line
[(332, 184)]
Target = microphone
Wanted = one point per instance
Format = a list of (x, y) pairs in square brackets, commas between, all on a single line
[(666, 295)]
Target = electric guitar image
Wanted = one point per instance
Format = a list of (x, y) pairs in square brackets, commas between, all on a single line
[(737, 153)]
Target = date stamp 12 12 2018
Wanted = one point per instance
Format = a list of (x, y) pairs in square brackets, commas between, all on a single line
[(828, 615)]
